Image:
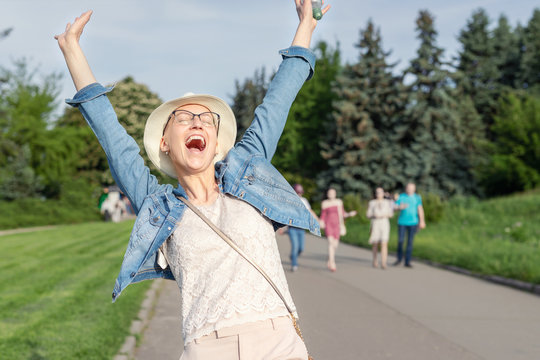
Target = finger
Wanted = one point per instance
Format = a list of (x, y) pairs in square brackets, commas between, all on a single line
[(86, 16)]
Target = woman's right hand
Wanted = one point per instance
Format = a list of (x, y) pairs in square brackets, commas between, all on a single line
[(73, 32), (76, 61)]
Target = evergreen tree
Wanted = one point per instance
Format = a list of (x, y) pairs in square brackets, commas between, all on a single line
[(506, 52), (530, 63), (360, 147), (440, 124), (247, 97), (479, 65), (299, 148)]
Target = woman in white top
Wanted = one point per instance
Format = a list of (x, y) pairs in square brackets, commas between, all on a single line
[(228, 310), (379, 211)]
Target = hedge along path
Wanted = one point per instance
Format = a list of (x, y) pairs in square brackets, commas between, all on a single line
[(55, 292)]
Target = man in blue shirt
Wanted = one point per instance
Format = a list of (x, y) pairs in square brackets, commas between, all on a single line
[(410, 219)]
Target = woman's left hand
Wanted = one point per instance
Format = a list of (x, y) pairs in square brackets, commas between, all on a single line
[(305, 11), (307, 22)]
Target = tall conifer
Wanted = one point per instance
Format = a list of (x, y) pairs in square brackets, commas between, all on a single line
[(530, 64), (360, 147), (442, 125), (479, 66)]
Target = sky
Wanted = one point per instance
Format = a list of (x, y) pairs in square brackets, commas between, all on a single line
[(203, 46)]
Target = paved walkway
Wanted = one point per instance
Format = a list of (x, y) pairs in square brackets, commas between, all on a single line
[(365, 313)]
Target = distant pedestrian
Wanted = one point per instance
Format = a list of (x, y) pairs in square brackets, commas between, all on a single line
[(297, 236), (379, 211), (102, 197), (113, 208), (333, 216), (411, 218)]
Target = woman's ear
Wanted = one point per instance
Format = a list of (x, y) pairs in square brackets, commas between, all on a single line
[(163, 146)]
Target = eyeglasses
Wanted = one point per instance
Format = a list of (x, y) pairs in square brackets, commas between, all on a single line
[(185, 118)]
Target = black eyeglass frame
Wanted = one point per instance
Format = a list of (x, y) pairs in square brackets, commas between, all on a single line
[(193, 118)]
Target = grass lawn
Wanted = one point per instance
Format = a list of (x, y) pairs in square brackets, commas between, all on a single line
[(494, 237), (55, 293)]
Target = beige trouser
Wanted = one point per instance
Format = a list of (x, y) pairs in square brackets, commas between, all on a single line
[(273, 339)]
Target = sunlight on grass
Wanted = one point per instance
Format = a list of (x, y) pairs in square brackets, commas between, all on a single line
[(55, 293)]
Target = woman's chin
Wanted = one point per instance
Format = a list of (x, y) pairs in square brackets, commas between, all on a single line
[(197, 165)]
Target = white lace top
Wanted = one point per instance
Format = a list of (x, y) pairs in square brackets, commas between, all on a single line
[(220, 288)]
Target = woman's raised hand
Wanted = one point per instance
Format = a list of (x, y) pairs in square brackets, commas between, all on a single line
[(73, 32), (305, 11), (307, 22), (76, 61)]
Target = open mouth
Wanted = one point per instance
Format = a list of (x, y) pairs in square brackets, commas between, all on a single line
[(196, 142)]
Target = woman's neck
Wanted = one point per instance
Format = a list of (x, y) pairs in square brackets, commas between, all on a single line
[(201, 188)]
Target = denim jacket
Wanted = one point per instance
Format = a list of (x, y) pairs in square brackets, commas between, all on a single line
[(246, 172)]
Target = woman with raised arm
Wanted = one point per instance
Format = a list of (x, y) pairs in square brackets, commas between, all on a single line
[(228, 308)]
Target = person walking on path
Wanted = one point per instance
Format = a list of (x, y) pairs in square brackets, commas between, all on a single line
[(380, 210), (411, 218), (332, 219), (227, 307), (297, 236)]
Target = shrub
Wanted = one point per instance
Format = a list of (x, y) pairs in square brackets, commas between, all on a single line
[(354, 202), (434, 207), (77, 203)]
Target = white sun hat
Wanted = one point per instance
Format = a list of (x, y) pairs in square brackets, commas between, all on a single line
[(153, 131)]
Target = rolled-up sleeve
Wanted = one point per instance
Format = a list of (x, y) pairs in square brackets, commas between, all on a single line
[(123, 154), (303, 53), (89, 92)]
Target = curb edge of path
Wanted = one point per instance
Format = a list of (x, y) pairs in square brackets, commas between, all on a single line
[(528, 287), (513, 283), (139, 324)]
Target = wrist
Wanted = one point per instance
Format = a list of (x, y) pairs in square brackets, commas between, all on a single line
[(303, 35), (69, 46)]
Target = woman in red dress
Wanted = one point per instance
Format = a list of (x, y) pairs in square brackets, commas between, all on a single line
[(333, 221)]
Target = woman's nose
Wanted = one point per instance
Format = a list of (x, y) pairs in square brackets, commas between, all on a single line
[(196, 122)]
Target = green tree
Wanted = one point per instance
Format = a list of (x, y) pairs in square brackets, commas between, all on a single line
[(441, 127), (479, 66), (248, 95), (530, 63), (515, 163), (299, 148), (507, 54), (26, 106), (133, 102), (360, 146)]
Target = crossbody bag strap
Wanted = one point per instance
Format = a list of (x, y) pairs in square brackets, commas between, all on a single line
[(248, 259), (237, 249)]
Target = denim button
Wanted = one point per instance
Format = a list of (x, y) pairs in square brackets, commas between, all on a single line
[(156, 219), (113, 295), (169, 228), (132, 274)]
